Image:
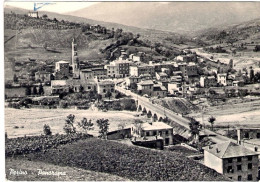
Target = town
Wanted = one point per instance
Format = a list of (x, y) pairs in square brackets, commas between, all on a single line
[(167, 96)]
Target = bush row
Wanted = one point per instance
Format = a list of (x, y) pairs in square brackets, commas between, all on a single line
[(31, 144)]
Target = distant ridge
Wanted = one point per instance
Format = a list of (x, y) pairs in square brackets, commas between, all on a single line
[(178, 17)]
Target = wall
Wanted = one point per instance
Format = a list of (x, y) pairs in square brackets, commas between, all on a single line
[(213, 162), (245, 171)]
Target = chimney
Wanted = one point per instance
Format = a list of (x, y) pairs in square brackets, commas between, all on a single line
[(217, 150)]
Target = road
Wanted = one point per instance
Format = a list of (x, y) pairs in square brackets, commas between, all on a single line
[(170, 114)]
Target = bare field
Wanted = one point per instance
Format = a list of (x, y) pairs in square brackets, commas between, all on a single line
[(71, 173), (241, 59), (246, 113), (31, 121)]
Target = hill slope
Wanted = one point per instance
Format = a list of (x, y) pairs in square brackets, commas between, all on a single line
[(180, 17), (132, 162), (248, 31)]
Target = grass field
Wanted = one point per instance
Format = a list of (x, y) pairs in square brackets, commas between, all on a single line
[(31, 121), (71, 173)]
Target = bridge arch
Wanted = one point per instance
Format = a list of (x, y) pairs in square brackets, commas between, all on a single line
[(155, 117), (149, 114), (144, 110), (140, 108)]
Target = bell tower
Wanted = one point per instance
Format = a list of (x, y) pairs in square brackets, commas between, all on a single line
[(75, 59)]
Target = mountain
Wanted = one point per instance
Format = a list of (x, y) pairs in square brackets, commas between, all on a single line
[(240, 33), (150, 34), (178, 17)]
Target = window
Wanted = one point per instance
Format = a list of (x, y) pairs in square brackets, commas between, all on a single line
[(249, 158), (239, 167), (166, 132), (229, 160), (249, 166), (246, 135), (229, 169), (239, 178), (147, 133), (249, 177), (258, 135), (239, 159), (154, 133)]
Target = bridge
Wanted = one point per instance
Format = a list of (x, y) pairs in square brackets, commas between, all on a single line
[(158, 113)]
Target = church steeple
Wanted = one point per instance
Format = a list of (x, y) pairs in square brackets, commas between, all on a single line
[(74, 59)]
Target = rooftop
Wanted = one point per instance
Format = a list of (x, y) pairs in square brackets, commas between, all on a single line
[(62, 62), (106, 82), (155, 126), (146, 82), (229, 150)]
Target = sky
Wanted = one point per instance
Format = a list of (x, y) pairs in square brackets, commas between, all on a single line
[(58, 7)]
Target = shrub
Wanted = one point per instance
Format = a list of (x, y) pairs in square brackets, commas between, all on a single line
[(47, 129), (69, 125)]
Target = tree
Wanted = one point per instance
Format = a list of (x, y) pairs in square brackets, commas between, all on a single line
[(41, 91), (103, 125), (211, 120), (69, 124), (195, 128), (86, 125), (44, 16), (28, 91), (34, 90), (108, 94), (47, 130)]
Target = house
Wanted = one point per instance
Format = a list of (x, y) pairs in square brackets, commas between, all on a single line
[(222, 79), (159, 91), (161, 76), (112, 70), (62, 68), (59, 86), (159, 129), (233, 160), (118, 68), (132, 81), (33, 14), (43, 76), (145, 87), (99, 73), (208, 81), (71, 85), (105, 86), (142, 69), (86, 74)]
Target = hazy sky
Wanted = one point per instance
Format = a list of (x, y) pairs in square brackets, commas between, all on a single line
[(59, 7)]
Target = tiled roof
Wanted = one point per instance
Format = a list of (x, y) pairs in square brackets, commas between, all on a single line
[(229, 150)]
